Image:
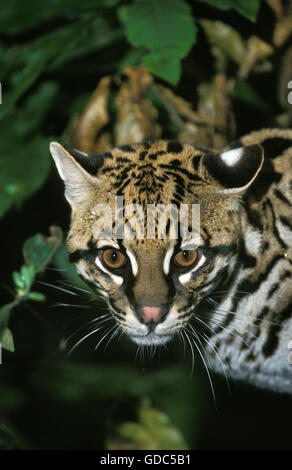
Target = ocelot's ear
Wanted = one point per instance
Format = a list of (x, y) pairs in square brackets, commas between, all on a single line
[(235, 169), (78, 171)]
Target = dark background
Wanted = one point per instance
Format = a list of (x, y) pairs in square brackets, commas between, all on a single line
[(44, 402)]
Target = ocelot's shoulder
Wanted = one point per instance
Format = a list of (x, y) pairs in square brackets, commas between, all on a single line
[(274, 141)]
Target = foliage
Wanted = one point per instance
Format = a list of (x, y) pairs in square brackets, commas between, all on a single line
[(94, 74), (38, 252), (166, 41), (153, 431), (162, 34), (249, 9)]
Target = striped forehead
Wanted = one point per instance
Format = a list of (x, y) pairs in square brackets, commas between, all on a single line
[(139, 155), (163, 172)]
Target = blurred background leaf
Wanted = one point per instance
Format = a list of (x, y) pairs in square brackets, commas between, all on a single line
[(247, 8), (24, 166), (166, 41), (153, 431)]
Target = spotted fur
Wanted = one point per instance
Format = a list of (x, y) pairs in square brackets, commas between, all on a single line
[(235, 303)]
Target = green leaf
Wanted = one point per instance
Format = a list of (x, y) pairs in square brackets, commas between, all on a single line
[(165, 28), (37, 296), (243, 91), (39, 54), (7, 340), (247, 8), (28, 275), (24, 156), (154, 431), (163, 66), (17, 16), (22, 170), (23, 65), (5, 311), (39, 250), (18, 280)]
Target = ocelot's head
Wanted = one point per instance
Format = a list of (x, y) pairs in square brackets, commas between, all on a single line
[(156, 270)]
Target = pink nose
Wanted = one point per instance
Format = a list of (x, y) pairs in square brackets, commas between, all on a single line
[(151, 313)]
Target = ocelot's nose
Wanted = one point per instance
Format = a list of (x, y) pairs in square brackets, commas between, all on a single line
[(152, 313)]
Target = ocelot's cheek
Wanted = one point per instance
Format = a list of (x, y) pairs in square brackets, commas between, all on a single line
[(85, 271), (97, 277)]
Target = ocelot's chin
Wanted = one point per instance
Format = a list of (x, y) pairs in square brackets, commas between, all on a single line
[(151, 339)]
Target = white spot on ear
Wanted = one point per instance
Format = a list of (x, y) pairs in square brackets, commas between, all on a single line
[(117, 279), (133, 262), (231, 157), (166, 262)]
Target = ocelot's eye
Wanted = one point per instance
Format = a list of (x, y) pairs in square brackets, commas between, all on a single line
[(185, 258), (113, 259)]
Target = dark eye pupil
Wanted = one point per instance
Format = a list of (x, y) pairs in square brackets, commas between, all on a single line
[(185, 254), (114, 256)]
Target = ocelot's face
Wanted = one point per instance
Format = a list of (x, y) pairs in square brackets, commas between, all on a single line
[(155, 284), (154, 288)]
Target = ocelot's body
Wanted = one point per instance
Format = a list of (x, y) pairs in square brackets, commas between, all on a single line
[(226, 289)]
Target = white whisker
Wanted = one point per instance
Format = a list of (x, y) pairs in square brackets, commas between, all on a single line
[(206, 367)]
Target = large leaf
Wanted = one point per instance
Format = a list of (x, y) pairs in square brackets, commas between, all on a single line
[(247, 8), (24, 157), (44, 53), (17, 16), (165, 28), (23, 170), (39, 250)]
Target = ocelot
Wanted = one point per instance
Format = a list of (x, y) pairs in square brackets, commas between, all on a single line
[(226, 287)]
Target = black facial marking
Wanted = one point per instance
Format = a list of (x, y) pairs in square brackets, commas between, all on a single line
[(275, 146), (123, 160), (285, 221), (154, 156), (174, 147), (175, 162), (89, 255), (127, 148), (196, 161), (281, 196), (142, 155)]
